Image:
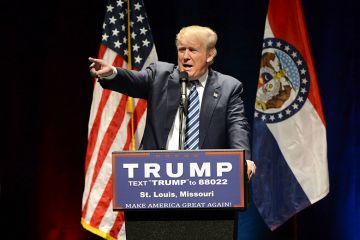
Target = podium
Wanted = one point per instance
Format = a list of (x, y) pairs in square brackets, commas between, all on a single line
[(180, 194)]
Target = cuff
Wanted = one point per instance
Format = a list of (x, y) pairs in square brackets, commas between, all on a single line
[(112, 75)]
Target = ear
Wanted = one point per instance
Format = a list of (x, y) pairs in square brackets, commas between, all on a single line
[(210, 55)]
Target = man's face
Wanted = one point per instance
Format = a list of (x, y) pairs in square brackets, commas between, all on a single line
[(193, 57)]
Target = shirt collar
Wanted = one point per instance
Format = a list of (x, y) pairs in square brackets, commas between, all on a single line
[(203, 79)]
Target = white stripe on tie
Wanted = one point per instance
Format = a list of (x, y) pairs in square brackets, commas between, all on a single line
[(192, 119)]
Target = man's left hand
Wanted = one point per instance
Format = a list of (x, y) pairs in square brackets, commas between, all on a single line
[(251, 168)]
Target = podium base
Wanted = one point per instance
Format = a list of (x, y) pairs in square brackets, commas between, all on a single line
[(179, 225)]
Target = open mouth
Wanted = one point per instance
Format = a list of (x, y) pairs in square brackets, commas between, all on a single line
[(187, 67)]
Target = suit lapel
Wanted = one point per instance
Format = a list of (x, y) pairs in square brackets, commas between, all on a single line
[(210, 99), (173, 101)]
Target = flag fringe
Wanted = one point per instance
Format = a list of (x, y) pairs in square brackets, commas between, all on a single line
[(96, 231)]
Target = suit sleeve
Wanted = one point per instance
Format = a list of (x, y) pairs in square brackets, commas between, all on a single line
[(132, 83), (238, 127)]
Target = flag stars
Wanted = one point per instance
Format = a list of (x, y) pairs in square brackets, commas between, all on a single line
[(117, 36), (146, 43), (109, 8), (136, 48), (280, 115), (143, 30), (287, 48), (303, 90), (299, 62), (300, 99), (303, 71), (295, 106), (133, 35), (272, 118), (112, 20), (105, 37), (256, 114), (263, 117), (140, 18), (294, 54), (278, 44), (304, 81), (270, 43), (119, 3), (138, 59), (117, 44), (115, 32), (288, 111), (137, 6)]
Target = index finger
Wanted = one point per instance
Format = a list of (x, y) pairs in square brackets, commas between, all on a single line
[(95, 60)]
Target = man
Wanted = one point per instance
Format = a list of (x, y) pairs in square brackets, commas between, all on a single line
[(222, 120)]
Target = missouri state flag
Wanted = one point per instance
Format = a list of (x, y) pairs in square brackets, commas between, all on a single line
[(289, 132)]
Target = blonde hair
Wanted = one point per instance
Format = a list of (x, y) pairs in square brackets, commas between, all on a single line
[(204, 33)]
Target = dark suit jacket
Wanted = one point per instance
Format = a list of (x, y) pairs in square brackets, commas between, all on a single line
[(222, 120)]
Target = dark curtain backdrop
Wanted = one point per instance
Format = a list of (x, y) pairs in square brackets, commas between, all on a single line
[(47, 91)]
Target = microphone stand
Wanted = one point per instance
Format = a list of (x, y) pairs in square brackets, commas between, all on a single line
[(182, 107), (183, 113)]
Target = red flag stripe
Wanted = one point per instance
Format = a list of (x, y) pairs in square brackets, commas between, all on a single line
[(105, 199), (118, 224), (139, 111), (96, 124), (102, 205), (108, 139), (95, 128), (93, 139), (107, 142), (93, 136)]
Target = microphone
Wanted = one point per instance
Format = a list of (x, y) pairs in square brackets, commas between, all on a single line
[(183, 80)]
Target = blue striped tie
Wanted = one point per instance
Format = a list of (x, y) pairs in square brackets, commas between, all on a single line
[(192, 120)]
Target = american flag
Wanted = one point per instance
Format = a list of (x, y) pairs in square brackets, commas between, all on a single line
[(126, 42)]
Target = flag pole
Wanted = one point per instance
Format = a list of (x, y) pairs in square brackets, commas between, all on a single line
[(130, 101)]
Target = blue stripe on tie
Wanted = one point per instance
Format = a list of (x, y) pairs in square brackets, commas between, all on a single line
[(192, 119)]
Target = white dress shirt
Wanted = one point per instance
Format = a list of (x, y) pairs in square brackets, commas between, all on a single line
[(173, 138)]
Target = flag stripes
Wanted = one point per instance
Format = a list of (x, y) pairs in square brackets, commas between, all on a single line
[(111, 128)]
